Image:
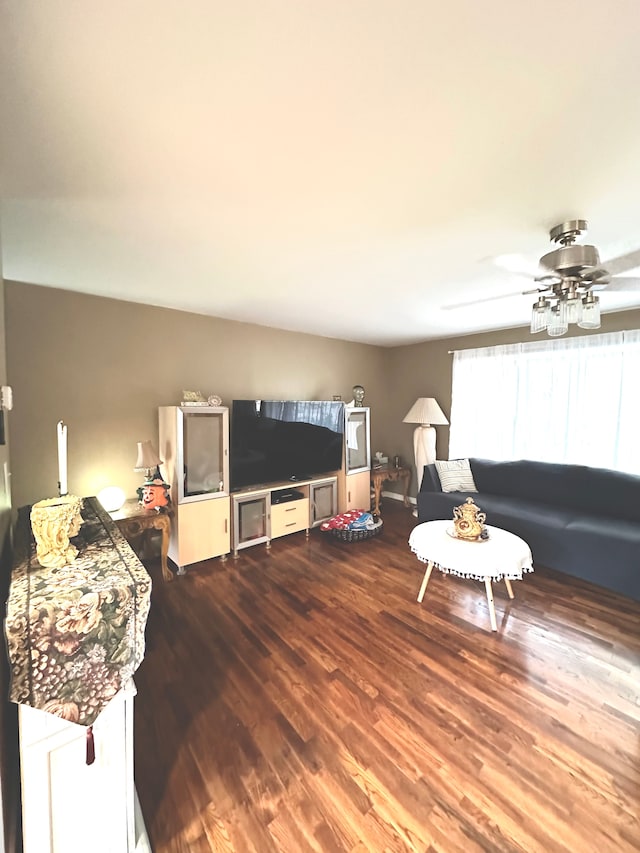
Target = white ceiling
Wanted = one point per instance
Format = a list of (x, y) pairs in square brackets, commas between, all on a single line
[(340, 168)]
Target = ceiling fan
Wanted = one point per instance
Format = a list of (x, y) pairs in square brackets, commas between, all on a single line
[(570, 275)]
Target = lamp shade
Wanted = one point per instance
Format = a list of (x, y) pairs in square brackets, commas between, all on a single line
[(425, 410), (147, 457)]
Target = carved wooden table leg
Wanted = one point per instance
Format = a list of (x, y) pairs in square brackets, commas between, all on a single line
[(165, 526), (134, 520)]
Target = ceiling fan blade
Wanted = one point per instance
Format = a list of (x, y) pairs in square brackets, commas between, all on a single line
[(597, 278), (623, 263), (488, 299), (620, 284), (517, 265)]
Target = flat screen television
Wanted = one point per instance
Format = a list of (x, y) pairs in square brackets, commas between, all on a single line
[(274, 440)]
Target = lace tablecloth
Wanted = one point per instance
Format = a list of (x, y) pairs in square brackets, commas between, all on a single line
[(502, 555), (75, 635)]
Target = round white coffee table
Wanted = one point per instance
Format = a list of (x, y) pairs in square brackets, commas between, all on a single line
[(503, 556)]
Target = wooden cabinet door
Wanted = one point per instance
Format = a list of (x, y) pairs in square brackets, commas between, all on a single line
[(203, 530), (358, 488)]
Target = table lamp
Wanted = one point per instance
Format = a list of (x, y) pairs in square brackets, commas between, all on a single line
[(148, 460)]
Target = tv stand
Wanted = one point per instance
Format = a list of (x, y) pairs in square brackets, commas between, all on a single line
[(263, 514)]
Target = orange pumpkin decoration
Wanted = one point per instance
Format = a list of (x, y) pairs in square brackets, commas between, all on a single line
[(155, 495)]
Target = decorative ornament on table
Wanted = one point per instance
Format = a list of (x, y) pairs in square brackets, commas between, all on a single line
[(214, 400), (468, 521), (194, 398), (155, 493), (54, 522)]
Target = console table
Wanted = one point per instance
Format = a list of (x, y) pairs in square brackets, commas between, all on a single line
[(75, 636), (133, 520), (388, 472)]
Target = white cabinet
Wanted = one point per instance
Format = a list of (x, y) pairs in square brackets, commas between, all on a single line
[(354, 485), (194, 444), (357, 491), (200, 530), (69, 806), (357, 439)]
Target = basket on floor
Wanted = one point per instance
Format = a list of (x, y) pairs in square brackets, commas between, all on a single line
[(348, 535)]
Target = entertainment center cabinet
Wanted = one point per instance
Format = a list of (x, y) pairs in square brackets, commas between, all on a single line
[(210, 521), (194, 444), (266, 513)]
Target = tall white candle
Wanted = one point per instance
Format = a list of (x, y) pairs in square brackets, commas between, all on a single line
[(62, 458)]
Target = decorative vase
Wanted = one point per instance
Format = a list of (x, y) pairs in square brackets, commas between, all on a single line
[(53, 522), (468, 520)]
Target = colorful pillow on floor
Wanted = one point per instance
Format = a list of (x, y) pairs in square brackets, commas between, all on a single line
[(354, 519)]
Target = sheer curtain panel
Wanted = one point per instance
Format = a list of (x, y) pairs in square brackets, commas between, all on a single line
[(573, 400)]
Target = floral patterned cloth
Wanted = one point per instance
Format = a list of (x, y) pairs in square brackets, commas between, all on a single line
[(75, 635)]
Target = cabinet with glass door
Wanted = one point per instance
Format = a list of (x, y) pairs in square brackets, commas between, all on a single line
[(194, 444), (354, 482)]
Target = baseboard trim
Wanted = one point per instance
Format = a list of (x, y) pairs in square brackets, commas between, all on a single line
[(395, 496)]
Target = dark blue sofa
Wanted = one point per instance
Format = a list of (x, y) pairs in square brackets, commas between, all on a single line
[(579, 520)]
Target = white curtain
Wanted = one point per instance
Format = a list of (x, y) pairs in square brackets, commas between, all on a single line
[(575, 400)]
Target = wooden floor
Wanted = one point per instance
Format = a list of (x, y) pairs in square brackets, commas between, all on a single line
[(301, 699)]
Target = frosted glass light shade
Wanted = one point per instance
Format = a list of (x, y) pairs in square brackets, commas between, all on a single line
[(558, 320), (540, 315), (590, 312), (574, 307), (112, 498), (425, 411)]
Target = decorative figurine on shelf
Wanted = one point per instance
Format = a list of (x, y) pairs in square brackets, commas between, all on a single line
[(194, 398), (468, 521), (358, 396)]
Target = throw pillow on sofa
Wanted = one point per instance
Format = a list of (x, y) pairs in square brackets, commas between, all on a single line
[(455, 476)]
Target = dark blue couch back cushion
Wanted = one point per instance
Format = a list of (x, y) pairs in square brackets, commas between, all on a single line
[(593, 490)]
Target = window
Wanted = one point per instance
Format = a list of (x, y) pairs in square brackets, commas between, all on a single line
[(575, 400)]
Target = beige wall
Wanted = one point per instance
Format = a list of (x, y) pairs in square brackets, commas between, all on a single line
[(104, 366), (424, 370), (5, 488)]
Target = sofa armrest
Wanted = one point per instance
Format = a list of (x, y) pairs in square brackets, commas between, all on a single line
[(430, 479)]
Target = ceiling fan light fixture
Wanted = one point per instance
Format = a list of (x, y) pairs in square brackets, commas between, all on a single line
[(540, 315), (590, 312), (558, 324), (574, 304)]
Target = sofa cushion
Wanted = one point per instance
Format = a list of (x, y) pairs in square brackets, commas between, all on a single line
[(600, 491), (455, 475)]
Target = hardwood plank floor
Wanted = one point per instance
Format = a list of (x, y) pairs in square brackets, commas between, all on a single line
[(302, 700)]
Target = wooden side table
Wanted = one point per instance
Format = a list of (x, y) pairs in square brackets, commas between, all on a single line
[(388, 472), (133, 520)]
